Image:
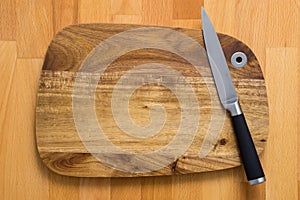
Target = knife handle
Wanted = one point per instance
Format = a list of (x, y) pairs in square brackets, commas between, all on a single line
[(252, 165)]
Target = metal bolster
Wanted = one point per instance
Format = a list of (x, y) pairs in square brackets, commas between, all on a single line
[(257, 181), (234, 108)]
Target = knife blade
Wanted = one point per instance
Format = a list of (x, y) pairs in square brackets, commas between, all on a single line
[(229, 100)]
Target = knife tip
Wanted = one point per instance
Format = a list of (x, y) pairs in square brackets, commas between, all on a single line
[(203, 17), (203, 12)]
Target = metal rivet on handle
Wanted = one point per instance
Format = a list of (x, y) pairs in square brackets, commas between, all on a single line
[(238, 59)]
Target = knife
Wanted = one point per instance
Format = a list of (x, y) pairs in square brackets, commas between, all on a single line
[(229, 100)]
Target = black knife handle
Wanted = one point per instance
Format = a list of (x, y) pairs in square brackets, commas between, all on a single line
[(252, 165)]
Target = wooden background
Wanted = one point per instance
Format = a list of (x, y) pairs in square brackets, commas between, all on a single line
[(270, 28)]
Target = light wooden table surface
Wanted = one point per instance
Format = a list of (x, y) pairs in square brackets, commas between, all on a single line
[(270, 28)]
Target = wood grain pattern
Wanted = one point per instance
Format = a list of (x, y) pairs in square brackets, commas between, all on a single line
[(161, 15), (285, 132), (260, 24), (182, 10), (126, 11), (34, 28), (8, 56), (19, 126), (65, 13), (7, 20), (90, 11), (64, 152)]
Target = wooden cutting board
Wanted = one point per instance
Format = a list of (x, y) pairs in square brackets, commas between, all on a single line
[(119, 100)]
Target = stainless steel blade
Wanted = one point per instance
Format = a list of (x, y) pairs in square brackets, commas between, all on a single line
[(229, 100), (219, 67)]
